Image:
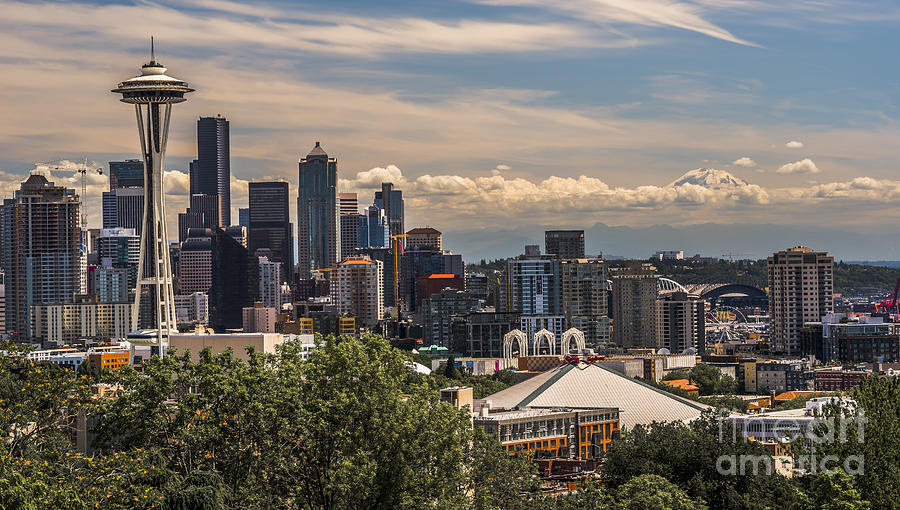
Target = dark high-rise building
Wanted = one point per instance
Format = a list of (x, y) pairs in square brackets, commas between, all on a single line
[(270, 224), (373, 229), (211, 171), (480, 334), (235, 282), (202, 213), (392, 205), (244, 217), (438, 311), (348, 206), (124, 208), (564, 244), (422, 262), (318, 236), (350, 231), (126, 174), (41, 249)]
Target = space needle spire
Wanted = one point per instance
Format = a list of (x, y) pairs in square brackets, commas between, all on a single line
[(153, 93)]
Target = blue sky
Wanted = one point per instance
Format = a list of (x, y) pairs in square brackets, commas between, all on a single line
[(493, 115)]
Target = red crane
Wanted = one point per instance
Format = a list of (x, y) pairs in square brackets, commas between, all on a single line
[(889, 305)]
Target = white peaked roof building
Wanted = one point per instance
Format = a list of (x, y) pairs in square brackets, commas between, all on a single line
[(592, 385)]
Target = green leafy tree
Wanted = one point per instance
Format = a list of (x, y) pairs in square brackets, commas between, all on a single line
[(590, 495), (689, 456), (349, 427), (500, 480), (868, 449), (677, 374), (450, 371), (653, 492), (836, 491), (40, 466), (711, 381)]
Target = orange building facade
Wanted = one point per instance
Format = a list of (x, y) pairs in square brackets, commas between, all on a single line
[(560, 433), (110, 360)]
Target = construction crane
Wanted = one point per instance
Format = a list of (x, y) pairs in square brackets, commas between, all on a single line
[(732, 255), (889, 305), (82, 167)]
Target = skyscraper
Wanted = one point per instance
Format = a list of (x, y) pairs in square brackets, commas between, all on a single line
[(801, 289), (634, 309), (350, 232), (211, 171), (534, 286), (564, 244), (373, 229), (244, 217), (348, 205), (124, 208), (357, 289), (422, 262), (391, 200), (317, 212), (126, 174), (235, 282), (203, 212), (270, 283), (153, 93), (681, 322), (120, 248), (584, 297), (386, 257), (195, 264), (42, 249), (270, 224)]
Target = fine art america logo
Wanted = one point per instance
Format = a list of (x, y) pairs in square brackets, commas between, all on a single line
[(806, 434)]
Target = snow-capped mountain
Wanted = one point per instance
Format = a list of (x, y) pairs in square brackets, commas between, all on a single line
[(709, 178)]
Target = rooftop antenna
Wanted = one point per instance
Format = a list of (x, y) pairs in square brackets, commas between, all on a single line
[(152, 50)]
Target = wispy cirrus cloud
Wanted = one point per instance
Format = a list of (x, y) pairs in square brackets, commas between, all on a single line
[(229, 25), (652, 13)]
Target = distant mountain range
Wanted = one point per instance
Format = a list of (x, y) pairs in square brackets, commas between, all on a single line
[(749, 240), (753, 241), (883, 263)]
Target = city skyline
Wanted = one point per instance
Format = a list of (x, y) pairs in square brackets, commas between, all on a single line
[(630, 111)]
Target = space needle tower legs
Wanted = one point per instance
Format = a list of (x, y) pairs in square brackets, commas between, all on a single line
[(153, 93)]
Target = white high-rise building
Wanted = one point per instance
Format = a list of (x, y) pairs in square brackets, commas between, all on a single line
[(801, 289), (192, 308), (357, 289), (270, 283)]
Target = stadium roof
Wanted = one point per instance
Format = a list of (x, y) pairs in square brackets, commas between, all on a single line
[(593, 385)]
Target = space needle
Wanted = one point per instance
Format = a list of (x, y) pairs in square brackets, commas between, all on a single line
[(153, 93)]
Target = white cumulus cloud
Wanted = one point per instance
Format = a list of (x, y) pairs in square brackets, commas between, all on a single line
[(804, 166), (744, 162), (794, 144)]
